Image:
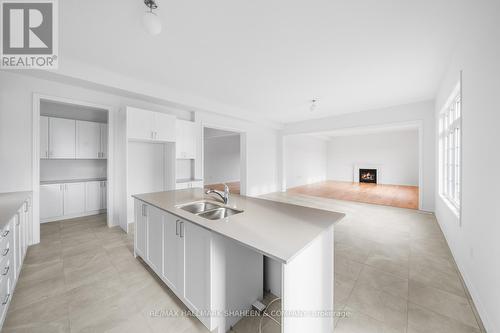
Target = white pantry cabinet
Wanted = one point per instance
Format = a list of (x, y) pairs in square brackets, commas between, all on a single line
[(73, 199), (104, 140), (88, 139), (95, 196), (51, 201), (62, 138), (147, 125), (44, 137), (187, 135)]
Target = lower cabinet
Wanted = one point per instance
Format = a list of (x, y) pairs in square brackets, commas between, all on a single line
[(60, 201), (192, 260), (13, 247)]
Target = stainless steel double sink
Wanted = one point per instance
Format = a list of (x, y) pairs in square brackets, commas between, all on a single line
[(209, 210)]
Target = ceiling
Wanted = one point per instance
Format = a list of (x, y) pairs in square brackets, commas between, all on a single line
[(270, 58)]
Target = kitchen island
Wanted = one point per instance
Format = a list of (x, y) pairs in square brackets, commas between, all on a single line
[(215, 266)]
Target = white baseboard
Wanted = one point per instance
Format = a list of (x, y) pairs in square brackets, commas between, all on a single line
[(72, 216)]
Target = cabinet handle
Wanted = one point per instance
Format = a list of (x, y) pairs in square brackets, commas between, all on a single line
[(5, 233), (26, 206), (144, 210), (5, 251), (182, 229), (5, 270), (6, 299)]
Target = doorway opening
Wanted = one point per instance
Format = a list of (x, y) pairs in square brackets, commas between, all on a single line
[(224, 160)]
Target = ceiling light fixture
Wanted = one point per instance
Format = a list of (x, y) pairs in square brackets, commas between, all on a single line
[(151, 21), (314, 104)]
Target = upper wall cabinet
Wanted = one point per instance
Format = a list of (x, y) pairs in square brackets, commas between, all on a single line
[(70, 139), (91, 139), (187, 134), (88, 139), (147, 125), (62, 138)]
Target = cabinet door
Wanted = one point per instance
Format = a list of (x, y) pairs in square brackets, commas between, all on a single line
[(164, 127), (62, 138), (140, 227), (88, 139), (104, 140), (173, 258), (44, 137), (154, 240), (74, 198), (186, 138), (139, 124), (197, 266), (51, 201), (18, 250), (93, 196)]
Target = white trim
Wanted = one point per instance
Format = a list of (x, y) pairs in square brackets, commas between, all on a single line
[(243, 153), (37, 98)]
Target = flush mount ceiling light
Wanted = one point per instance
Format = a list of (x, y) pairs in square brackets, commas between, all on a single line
[(314, 104), (151, 21)]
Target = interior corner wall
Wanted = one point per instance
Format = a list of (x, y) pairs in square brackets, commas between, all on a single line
[(222, 159), (305, 160), (394, 153), (421, 112), (475, 240)]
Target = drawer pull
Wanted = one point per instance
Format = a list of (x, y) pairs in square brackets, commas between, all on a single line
[(5, 233), (5, 251), (6, 299), (177, 227), (6, 270)]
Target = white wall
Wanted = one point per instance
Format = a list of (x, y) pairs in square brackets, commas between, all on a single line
[(421, 113), (72, 169), (395, 154), (222, 159), (476, 242), (16, 105), (305, 160)]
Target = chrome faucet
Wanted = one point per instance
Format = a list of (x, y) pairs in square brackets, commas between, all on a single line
[(223, 195)]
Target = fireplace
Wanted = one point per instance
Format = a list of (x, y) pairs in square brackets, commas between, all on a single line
[(368, 176)]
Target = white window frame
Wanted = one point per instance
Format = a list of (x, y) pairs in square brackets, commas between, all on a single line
[(450, 149)]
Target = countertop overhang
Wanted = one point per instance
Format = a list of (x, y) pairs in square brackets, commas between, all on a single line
[(276, 229)]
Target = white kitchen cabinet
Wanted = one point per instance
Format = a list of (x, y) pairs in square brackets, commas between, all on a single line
[(164, 127), (88, 139), (196, 267), (74, 198), (141, 211), (104, 140), (147, 125), (62, 138), (44, 137), (173, 254), (154, 241), (95, 196), (51, 201), (187, 134), (192, 184), (18, 242)]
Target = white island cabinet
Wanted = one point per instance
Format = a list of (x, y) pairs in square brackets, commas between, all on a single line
[(216, 266)]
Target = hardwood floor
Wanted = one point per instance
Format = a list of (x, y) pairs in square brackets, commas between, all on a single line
[(389, 195), (234, 187)]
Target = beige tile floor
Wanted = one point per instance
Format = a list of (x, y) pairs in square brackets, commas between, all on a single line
[(393, 273)]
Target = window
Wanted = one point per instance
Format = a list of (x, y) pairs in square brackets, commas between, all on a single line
[(450, 149)]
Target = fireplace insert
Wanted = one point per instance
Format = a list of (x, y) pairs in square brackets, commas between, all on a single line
[(368, 176)]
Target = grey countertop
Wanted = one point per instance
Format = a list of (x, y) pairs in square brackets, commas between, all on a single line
[(10, 203), (275, 229), (65, 181)]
